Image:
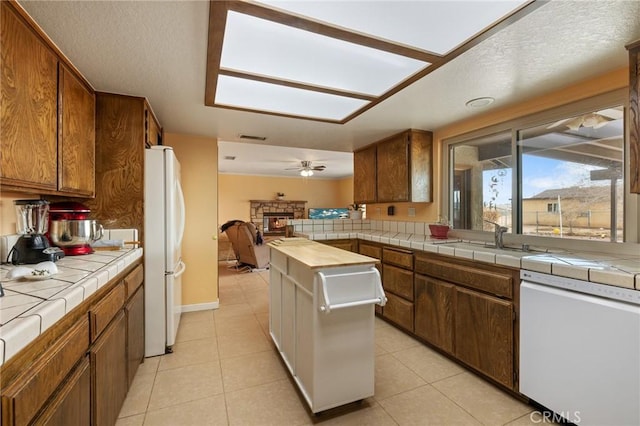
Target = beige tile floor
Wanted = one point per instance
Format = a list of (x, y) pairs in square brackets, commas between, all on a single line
[(225, 371)]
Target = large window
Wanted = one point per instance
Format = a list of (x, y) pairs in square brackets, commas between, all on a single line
[(574, 166), (562, 177)]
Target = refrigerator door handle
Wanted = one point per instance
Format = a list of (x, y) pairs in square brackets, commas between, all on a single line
[(181, 220), (180, 269)]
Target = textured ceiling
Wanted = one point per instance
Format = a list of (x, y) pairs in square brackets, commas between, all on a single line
[(158, 50)]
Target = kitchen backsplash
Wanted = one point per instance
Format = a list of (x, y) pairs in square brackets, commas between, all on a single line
[(338, 225)]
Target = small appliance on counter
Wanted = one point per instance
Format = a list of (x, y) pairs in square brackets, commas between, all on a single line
[(71, 229), (32, 222)]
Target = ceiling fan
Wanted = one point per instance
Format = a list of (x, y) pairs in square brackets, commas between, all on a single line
[(306, 169), (593, 120)]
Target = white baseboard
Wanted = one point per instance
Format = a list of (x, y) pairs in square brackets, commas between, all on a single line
[(201, 306)]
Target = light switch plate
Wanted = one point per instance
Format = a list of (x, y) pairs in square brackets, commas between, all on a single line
[(412, 212), (6, 244)]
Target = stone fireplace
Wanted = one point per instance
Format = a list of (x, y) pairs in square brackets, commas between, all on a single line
[(270, 216)]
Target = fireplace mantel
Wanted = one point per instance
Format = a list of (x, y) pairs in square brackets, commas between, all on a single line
[(257, 209)]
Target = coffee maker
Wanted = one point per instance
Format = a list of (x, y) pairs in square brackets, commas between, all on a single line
[(33, 246)]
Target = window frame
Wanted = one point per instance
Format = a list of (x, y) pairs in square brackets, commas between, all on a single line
[(631, 201)]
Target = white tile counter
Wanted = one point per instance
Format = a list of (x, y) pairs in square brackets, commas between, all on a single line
[(28, 308), (611, 269)]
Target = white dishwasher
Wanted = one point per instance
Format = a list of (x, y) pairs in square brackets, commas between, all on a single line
[(580, 349)]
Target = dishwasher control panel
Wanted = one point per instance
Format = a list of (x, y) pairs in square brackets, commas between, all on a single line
[(587, 287)]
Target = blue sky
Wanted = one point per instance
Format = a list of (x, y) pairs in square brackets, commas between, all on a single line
[(539, 174)]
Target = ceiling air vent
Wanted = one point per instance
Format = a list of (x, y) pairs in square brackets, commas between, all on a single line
[(253, 138)]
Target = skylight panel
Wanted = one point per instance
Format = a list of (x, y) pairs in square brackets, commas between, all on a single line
[(258, 46), (256, 95), (431, 25)]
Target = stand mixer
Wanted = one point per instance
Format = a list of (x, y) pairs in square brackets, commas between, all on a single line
[(32, 222)]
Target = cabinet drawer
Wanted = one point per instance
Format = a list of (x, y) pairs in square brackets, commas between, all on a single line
[(25, 396), (371, 251), (102, 313), (399, 311), (134, 280), (400, 258), (347, 245), (488, 281), (398, 281)]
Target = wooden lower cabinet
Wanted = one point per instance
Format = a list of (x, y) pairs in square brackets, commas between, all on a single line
[(398, 281), (109, 372), (134, 310), (399, 311), (434, 311), (348, 245), (72, 404), (484, 334)]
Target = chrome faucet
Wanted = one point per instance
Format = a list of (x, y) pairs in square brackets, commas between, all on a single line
[(498, 232)]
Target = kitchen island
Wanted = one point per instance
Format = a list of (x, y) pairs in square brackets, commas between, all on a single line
[(321, 319)]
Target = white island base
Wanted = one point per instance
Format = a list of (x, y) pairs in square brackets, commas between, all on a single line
[(321, 319)]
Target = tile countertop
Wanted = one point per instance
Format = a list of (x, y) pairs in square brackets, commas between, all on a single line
[(616, 270), (30, 307)]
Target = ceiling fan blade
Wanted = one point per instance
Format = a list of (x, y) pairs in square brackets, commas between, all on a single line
[(319, 168), (558, 123)]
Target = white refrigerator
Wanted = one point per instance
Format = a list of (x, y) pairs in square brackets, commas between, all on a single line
[(164, 219)]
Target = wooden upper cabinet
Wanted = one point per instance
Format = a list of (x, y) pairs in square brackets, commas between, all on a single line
[(393, 169), (364, 175), (634, 116), (405, 167), (396, 169), (76, 136), (153, 131), (421, 166), (47, 117), (28, 106)]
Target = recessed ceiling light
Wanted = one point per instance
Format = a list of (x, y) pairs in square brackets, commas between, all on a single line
[(480, 102)]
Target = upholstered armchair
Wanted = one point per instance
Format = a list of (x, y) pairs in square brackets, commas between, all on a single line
[(243, 240)]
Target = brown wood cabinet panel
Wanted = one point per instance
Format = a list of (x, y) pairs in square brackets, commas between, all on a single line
[(109, 373), (484, 334), (474, 277), (22, 399), (634, 116), (434, 311), (399, 311), (135, 333), (153, 132), (134, 280), (101, 314), (402, 258), (28, 106), (120, 145), (370, 250), (76, 135), (349, 245), (71, 405), (398, 281), (392, 169), (421, 167), (364, 175)]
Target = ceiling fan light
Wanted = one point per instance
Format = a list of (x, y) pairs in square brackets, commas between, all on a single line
[(306, 173)]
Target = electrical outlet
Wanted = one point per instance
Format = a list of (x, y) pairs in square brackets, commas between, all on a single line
[(412, 212), (6, 244)]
